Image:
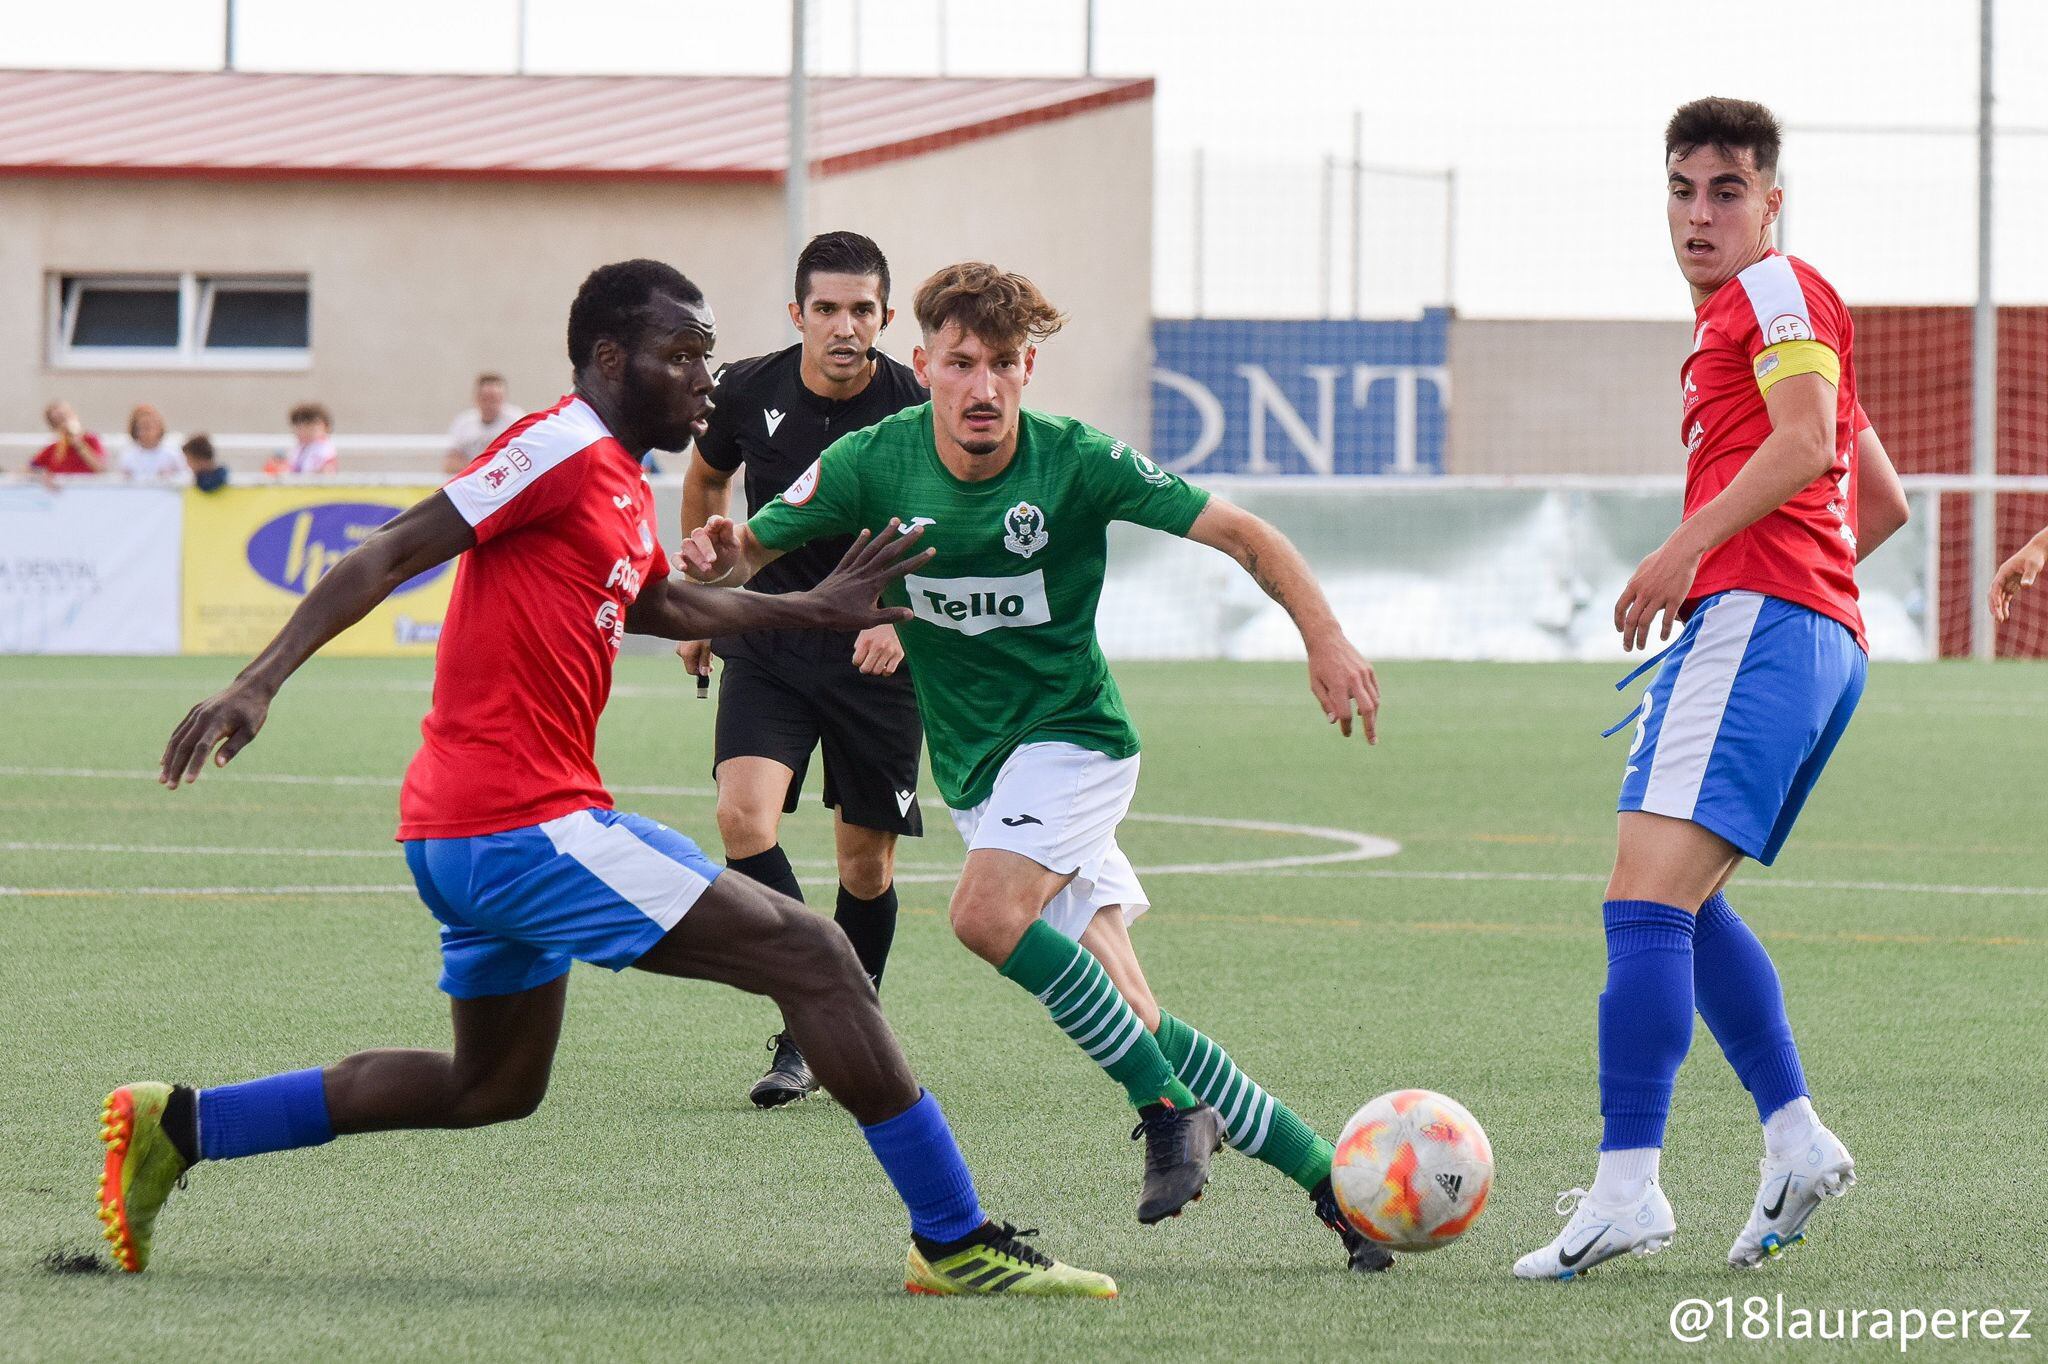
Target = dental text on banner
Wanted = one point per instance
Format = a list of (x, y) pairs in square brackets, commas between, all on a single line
[(88, 570)]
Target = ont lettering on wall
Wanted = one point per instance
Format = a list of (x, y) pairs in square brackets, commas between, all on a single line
[(1312, 398)]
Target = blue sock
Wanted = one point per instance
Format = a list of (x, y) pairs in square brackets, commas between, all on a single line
[(917, 1150), (275, 1113), (1738, 994), (1645, 1019)]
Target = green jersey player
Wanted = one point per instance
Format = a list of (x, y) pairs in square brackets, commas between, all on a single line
[(1030, 743)]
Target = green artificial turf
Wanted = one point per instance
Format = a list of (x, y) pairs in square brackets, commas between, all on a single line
[(647, 1211)]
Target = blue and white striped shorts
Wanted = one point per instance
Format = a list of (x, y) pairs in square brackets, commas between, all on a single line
[(517, 907), (1741, 718)]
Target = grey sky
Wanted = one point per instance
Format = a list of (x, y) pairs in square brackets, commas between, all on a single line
[(1551, 113)]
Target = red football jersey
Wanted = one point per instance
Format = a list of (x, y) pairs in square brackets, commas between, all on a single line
[(1776, 319), (564, 541)]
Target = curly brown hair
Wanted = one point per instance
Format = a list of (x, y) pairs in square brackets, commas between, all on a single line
[(999, 306)]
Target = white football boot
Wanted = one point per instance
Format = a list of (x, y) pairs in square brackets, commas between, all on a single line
[(1595, 1234), (1791, 1189)]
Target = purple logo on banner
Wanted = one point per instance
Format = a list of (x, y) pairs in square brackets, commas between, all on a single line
[(294, 551)]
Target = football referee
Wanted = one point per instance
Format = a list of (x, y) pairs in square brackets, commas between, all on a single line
[(782, 694)]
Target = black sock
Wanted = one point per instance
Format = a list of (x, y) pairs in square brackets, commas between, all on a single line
[(870, 925), (771, 869), (181, 1122)]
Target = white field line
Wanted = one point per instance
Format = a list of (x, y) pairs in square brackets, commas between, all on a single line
[(1359, 847)]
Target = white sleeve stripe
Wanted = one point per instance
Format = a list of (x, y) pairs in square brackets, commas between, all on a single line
[(524, 459), (1774, 293)]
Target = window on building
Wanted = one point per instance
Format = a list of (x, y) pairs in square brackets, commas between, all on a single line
[(180, 321)]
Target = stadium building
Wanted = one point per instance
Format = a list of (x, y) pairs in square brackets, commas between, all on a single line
[(227, 244)]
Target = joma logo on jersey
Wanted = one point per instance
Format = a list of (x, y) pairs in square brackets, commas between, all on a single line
[(974, 606)]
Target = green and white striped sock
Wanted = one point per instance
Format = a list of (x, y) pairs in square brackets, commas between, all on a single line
[(1078, 994), (1254, 1122)]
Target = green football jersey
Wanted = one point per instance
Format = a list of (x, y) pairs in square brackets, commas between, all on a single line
[(1003, 650)]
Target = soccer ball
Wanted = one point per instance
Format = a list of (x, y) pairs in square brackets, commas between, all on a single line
[(1412, 1170)]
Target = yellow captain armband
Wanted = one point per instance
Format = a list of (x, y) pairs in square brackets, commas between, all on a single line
[(1788, 358)]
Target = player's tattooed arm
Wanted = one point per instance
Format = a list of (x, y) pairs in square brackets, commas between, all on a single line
[(845, 600), (1343, 682), (427, 533)]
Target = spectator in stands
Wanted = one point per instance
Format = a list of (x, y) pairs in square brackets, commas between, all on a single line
[(209, 475), (75, 451), (151, 454), (475, 429), (312, 449)]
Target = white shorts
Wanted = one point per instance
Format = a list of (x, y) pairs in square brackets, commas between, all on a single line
[(1059, 805)]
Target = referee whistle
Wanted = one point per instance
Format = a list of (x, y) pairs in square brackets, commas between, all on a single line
[(703, 686)]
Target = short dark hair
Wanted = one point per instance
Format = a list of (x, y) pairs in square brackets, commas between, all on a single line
[(613, 303), (1727, 125), (199, 447), (312, 412), (1000, 306), (490, 377), (840, 253)]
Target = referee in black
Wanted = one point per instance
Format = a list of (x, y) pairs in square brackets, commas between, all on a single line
[(784, 693)]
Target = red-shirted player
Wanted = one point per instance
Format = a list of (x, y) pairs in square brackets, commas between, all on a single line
[(510, 835), (1786, 487)]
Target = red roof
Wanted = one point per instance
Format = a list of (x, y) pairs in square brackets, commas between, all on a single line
[(232, 123)]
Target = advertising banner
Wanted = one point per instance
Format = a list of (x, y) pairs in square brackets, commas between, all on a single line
[(1261, 398), (87, 570), (252, 553)]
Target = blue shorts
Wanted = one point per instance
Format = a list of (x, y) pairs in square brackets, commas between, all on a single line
[(1742, 717), (517, 907)]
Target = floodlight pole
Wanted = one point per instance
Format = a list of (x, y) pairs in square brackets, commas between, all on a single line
[(519, 53), (797, 180), (1983, 366), (227, 44), (1088, 46)]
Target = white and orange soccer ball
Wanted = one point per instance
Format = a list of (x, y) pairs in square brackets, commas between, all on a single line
[(1412, 1170)]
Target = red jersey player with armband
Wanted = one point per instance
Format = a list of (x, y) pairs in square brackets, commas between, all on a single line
[(511, 838), (1786, 487)]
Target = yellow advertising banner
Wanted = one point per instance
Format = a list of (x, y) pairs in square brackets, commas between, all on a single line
[(251, 554)]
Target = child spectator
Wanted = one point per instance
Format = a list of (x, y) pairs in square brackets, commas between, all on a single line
[(209, 475), (312, 449), (75, 451), (151, 454)]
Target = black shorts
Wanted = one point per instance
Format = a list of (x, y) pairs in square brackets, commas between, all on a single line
[(781, 703)]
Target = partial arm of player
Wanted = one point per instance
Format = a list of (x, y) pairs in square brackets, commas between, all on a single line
[(427, 533), (723, 553), (2016, 575), (845, 600), (1799, 449), (1881, 506), (707, 492), (1338, 675)]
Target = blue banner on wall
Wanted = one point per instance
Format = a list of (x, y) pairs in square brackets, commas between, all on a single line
[(1326, 398)]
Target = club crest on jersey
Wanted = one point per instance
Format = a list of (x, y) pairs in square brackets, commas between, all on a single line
[(646, 539), (1024, 530)]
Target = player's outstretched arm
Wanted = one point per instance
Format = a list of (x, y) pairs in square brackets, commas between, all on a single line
[(1337, 673), (1799, 449), (2016, 575), (845, 600), (427, 533), (723, 553), (1881, 505)]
